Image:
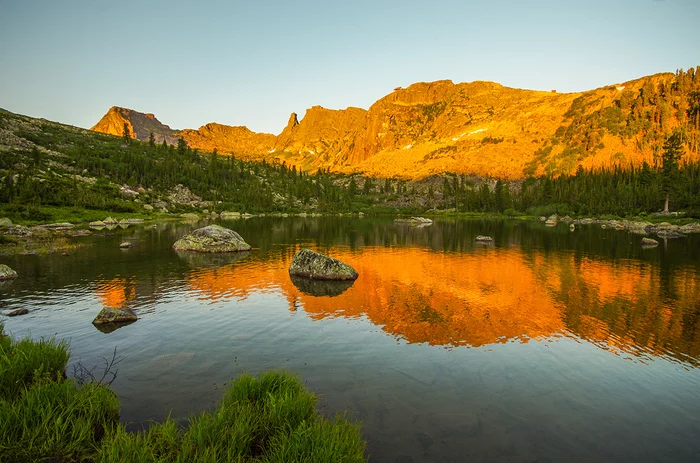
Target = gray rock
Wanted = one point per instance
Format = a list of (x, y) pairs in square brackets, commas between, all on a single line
[(6, 273), (669, 234), (18, 312), (572, 227), (415, 221), (114, 315), (213, 238), (309, 264), (649, 242), (484, 239), (552, 220), (19, 230), (126, 245), (690, 228), (147, 207), (110, 221)]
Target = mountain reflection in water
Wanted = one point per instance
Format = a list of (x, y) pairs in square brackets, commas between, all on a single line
[(488, 296)]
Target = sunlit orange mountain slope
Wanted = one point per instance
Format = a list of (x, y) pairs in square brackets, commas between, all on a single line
[(480, 128)]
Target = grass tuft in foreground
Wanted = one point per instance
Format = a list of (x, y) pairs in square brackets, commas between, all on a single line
[(269, 418), (42, 414)]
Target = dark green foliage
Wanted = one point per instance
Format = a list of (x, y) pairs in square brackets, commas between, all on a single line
[(673, 149), (126, 134)]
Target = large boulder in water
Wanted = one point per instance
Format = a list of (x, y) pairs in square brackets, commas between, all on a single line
[(309, 264), (6, 273), (213, 238), (109, 315)]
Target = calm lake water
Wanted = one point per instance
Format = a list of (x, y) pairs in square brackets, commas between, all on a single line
[(547, 346)]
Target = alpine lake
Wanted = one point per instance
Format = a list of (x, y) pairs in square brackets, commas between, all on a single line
[(546, 345)]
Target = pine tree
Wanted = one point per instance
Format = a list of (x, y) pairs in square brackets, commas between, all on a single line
[(126, 134), (673, 149)]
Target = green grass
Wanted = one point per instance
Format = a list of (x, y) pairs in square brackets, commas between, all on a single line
[(268, 418), (56, 419), (24, 362), (34, 215)]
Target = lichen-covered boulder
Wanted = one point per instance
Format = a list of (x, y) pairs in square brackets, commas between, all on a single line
[(483, 239), (649, 242), (97, 223), (5, 222), (6, 273), (110, 221), (114, 315), (213, 238), (309, 264)]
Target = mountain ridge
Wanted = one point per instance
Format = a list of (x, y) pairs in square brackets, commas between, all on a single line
[(479, 128)]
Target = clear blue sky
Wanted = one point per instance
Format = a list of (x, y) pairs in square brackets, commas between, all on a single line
[(253, 63)]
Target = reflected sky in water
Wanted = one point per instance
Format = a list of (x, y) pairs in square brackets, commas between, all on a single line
[(548, 345)]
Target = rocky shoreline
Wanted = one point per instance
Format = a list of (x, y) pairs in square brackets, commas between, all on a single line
[(642, 228)]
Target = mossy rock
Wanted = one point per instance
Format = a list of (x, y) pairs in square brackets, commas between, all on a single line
[(649, 242), (6, 273), (309, 264), (114, 315), (5, 222), (213, 238)]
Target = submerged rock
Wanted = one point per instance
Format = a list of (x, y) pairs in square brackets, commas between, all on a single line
[(317, 288), (649, 242), (213, 238), (59, 226), (483, 239), (114, 315), (110, 221), (126, 245), (6, 273), (309, 264), (18, 312)]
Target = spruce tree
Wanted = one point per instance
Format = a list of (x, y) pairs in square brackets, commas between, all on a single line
[(673, 148)]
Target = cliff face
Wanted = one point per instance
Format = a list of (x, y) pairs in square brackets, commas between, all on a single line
[(226, 139), (141, 125), (480, 128)]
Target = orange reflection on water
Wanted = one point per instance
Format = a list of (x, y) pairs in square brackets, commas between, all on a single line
[(115, 293), (422, 297)]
